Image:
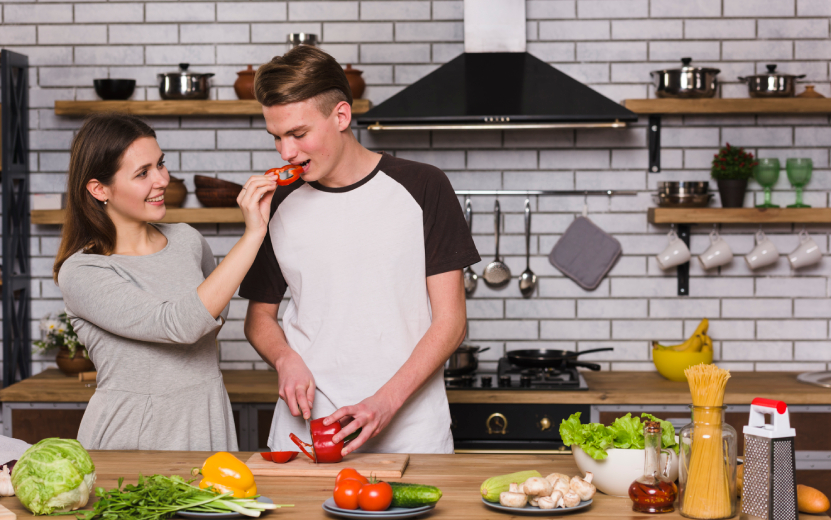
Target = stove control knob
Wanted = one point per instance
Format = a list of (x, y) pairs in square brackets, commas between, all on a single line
[(487, 381), (544, 424), (504, 381), (525, 381)]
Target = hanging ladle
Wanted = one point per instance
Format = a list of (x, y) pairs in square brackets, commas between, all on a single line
[(496, 273), (527, 280), (471, 278)]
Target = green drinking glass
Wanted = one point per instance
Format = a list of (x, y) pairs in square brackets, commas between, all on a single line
[(799, 174), (766, 174)]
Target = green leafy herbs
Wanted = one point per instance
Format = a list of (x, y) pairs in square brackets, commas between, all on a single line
[(159, 497), (625, 433)]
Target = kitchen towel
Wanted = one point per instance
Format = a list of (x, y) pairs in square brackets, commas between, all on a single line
[(585, 253)]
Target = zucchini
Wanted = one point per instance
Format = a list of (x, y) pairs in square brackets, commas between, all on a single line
[(492, 487), (413, 495)]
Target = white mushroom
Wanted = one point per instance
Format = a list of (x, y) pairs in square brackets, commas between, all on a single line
[(508, 499), (557, 498), (513, 487), (571, 498), (583, 487), (561, 485), (537, 486), (534, 501), (547, 503), (554, 477)]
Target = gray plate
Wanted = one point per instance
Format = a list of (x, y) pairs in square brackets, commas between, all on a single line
[(531, 510), (391, 513), (217, 516), (816, 378)]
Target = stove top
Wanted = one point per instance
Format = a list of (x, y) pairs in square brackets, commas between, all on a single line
[(512, 377)]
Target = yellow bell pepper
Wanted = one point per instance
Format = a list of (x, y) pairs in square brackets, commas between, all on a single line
[(224, 472)]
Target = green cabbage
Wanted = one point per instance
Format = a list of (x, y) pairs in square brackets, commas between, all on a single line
[(54, 475), (625, 433)]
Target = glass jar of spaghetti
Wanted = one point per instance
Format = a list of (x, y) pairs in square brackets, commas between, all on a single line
[(707, 472)]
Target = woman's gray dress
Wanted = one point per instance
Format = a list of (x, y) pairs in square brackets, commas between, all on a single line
[(153, 343)]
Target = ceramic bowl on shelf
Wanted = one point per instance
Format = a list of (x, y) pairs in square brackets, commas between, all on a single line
[(114, 89), (614, 474)]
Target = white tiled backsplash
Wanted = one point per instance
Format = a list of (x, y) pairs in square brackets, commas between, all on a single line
[(772, 319)]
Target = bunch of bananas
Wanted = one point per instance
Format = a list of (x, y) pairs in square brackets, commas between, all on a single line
[(698, 342)]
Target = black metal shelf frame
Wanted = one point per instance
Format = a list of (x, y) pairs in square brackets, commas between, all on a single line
[(17, 283)]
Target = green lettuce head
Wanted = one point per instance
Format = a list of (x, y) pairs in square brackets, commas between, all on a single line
[(54, 475)]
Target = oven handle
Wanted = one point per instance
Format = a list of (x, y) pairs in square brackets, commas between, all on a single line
[(562, 451)]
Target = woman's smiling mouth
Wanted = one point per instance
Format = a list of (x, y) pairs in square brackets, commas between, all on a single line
[(156, 201)]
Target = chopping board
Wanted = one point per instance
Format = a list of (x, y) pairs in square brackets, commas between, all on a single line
[(5, 514), (381, 465)]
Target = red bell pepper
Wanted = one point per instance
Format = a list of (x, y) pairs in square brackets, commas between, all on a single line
[(323, 450), (294, 174), (280, 457)]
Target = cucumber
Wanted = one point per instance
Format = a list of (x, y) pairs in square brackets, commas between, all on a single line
[(492, 487), (413, 495)]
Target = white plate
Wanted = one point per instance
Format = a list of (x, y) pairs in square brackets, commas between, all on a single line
[(531, 510), (217, 516), (393, 513)]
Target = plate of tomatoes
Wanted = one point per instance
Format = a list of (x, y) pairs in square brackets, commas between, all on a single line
[(355, 496)]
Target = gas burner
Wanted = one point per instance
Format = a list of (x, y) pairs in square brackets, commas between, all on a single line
[(463, 381)]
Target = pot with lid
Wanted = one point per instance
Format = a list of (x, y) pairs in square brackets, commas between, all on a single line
[(686, 82), (184, 84), (771, 84)]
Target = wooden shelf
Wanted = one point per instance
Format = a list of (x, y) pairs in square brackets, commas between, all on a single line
[(730, 106), (177, 108), (739, 215), (189, 215)]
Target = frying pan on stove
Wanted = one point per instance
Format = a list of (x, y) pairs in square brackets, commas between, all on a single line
[(544, 358)]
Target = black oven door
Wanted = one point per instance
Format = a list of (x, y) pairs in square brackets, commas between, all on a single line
[(491, 428)]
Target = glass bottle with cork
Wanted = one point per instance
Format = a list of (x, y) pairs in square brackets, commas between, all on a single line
[(653, 492)]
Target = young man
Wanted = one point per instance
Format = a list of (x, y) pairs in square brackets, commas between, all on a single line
[(372, 248)]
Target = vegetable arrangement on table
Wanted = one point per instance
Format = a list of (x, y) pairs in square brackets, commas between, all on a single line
[(353, 491), (557, 490), (625, 433)]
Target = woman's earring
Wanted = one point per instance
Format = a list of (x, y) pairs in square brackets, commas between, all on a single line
[(105, 202)]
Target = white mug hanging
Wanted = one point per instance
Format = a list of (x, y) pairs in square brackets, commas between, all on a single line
[(676, 253), (718, 254)]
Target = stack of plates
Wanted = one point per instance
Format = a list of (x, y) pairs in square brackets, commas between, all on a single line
[(393, 513), (683, 194)]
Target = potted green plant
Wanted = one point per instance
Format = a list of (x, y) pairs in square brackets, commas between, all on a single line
[(57, 333), (731, 168)]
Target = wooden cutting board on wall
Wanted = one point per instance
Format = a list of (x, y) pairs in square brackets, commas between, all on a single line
[(381, 465)]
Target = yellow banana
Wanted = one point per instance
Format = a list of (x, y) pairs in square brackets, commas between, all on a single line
[(694, 344), (708, 344), (702, 327), (681, 347)]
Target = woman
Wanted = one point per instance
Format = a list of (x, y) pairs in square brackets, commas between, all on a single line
[(146, 299)]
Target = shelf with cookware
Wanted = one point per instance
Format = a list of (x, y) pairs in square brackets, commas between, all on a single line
[(242, 107)]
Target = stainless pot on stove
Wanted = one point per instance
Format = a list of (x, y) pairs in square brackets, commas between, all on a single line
[(184, 84), (772, 84), (463, 360), (686, 82)]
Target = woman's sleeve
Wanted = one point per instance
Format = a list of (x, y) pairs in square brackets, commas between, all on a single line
[(208, 266), (99, 295)]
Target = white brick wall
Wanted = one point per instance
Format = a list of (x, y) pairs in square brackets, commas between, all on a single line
[(772, 319)]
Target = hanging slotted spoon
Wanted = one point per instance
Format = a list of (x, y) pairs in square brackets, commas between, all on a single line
[(496, 273), (471, 278), (527, 280)]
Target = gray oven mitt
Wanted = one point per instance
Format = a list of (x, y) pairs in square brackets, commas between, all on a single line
[(585, 253)]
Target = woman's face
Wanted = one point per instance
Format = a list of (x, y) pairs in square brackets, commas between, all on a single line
[(137, 190)]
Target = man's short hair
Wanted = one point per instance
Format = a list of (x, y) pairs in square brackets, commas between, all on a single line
[(302, 73)]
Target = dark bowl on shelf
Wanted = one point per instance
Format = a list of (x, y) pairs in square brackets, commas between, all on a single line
[(114, 89), (218, 198), (204, 182)]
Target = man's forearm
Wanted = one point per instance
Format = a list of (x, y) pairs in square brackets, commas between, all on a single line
[(266, 336)]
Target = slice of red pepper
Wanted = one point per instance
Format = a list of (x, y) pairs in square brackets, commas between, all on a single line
[(293, 170), (302, 445), (280, 457)]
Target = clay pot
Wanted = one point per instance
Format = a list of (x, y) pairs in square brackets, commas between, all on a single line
[(72, 366), (244, 85), (174, 194), (810, 93), (356, 82)]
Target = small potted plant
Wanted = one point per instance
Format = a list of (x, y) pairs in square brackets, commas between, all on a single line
[(731, 168), (57, 333)]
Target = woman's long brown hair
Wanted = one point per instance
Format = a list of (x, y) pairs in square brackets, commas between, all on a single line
[(97, 151)]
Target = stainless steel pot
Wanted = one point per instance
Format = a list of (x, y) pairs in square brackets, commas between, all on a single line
[(463, 360), (686, 82), (771, 84), (184, 84)]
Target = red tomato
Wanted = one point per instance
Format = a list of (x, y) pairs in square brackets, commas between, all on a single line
[(346, 493), (346, 473), (376, 496)]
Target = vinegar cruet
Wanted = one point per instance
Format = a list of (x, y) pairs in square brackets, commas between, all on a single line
[(653, 492)]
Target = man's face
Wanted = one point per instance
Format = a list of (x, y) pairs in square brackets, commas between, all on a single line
[(305, 136)]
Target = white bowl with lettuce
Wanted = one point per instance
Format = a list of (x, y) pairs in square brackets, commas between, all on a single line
[(615, 454)]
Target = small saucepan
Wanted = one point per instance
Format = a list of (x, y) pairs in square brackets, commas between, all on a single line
[(463, 360), (771, 84), (544, 358)]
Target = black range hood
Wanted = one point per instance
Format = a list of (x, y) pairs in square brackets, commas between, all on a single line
[(500, 90)]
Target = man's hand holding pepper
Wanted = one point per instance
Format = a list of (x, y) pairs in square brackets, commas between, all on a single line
[(297, 385), (373, 414)]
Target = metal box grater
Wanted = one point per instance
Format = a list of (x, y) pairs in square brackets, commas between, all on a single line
[(769, 484)]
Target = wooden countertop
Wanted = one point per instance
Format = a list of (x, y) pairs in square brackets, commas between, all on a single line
[(458, 476), (260, 386)]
